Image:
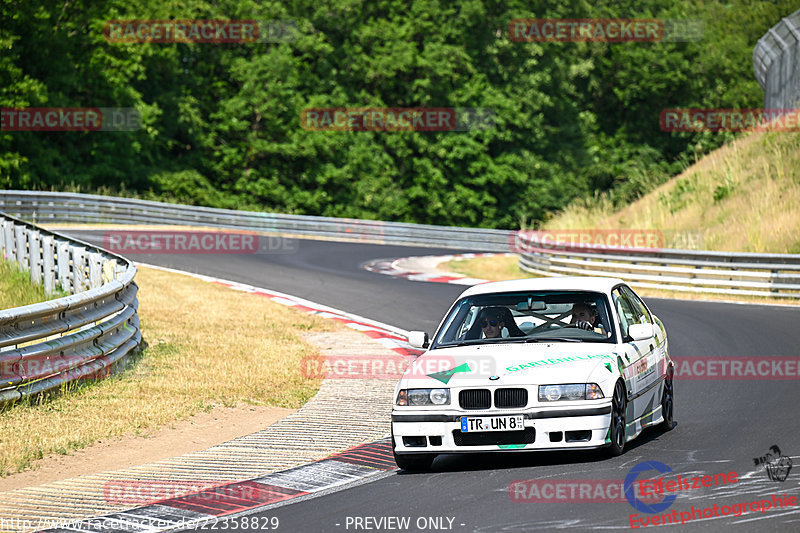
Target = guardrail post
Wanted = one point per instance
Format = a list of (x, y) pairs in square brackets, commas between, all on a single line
[(109, 271), (48, 264), (64, 277), (95, 261), (35, 257), (6, 239), (78, 269), (21, 244)]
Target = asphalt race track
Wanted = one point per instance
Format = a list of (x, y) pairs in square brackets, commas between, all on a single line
[(721, 425)]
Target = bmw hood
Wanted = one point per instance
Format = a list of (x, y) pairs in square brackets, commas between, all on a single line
[(512, 364)]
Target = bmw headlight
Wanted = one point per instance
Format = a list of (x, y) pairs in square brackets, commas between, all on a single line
[(423, 397), (570, 391)]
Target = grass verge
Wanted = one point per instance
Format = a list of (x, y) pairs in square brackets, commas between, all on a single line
[(743, 197), (494, 268), (498, 268), (16, 289), (207, 346)]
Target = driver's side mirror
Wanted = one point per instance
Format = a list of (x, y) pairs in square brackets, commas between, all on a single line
[(640, 332), (418, 339)]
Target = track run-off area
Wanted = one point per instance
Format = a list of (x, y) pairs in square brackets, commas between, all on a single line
[(722, 425)]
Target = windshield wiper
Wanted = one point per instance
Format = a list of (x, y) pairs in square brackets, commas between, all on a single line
[(548, 339), (470, 342)]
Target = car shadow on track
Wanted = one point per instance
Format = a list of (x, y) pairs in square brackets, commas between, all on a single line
[(465, 462)]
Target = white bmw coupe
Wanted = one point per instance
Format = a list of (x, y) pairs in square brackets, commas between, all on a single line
[(535, 364)]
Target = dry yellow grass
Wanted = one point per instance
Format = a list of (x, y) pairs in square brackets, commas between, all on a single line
[(208, 346), (491, 268), (743, 197)]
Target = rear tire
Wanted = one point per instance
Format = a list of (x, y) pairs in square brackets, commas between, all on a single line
[(618, 421), (667, 403), (417, 462)]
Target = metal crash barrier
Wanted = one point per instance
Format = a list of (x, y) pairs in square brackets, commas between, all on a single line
[(87, 335), (51, 208), (747, 274), (776, 62)]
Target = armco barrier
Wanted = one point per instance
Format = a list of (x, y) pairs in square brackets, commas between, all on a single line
[(85, 335), (49, 207), (776, 275), (680, 270)]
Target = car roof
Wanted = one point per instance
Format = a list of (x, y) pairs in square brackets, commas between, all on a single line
[(572, 283)]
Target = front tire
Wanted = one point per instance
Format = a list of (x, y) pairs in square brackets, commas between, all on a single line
[(667, 403), (618, 420)]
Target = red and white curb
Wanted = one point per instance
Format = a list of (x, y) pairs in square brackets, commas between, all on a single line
[(424, 268), (214, 508), (207, 507)]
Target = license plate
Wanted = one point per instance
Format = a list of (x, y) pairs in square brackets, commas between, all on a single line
[(491, 423)]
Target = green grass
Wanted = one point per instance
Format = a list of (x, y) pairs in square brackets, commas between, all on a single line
[(16, 288)]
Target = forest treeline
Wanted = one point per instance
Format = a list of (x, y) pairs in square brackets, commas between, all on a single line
[(221, 123)]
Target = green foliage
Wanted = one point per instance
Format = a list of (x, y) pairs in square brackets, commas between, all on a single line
[(681, 194), (724, 189), (221, 123)]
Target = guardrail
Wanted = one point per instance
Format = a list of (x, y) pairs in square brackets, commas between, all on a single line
[(775, 275), (89, 334), (776, 62), (679, 270), (48, 208)]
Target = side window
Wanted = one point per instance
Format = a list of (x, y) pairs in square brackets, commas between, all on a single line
[(623, 310), (643, 315), (631, 310)]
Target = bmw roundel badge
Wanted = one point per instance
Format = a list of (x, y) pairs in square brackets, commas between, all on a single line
[(494, 378)]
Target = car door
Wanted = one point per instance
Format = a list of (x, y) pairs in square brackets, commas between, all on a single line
[(651, 382), (640, 373)]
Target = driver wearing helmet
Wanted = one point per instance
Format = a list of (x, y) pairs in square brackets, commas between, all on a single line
[(585, 316)]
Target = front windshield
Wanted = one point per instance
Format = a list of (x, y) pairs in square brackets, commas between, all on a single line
[(547, 316)]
